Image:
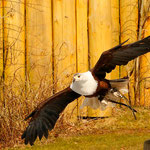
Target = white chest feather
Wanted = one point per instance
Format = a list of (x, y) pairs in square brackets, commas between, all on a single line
[(87, 85)]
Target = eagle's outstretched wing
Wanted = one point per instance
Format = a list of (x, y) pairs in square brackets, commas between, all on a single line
[(120, 55), (44, 117)]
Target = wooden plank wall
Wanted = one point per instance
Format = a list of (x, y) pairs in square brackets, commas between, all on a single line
[(13, 49), (43, 43), (82, 44), (144, 60), (100, 36), (1, 51), (129, 29), (39, 72)]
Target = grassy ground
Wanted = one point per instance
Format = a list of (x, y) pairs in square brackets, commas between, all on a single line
[(109, 141), (119, 132)]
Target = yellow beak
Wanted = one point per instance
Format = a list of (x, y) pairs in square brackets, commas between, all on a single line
[(75, 78)]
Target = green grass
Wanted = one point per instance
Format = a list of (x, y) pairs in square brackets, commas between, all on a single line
[(109, 141), (119, 132)]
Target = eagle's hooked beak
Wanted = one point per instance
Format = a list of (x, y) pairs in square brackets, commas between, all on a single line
[(75, 78)]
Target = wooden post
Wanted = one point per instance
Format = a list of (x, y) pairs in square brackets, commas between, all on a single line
[(39, 46), (147, 145), (1, 50), (100, 38), (115, 32), (14, 47), (137, 60), (64, 38), (145, 66), (129, 27), (1, 39), (82, 45)]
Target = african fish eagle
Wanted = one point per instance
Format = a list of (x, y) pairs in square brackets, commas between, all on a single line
[(92, 84)]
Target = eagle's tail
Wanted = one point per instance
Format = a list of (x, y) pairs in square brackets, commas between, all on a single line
[(94, 103), (120, 84)]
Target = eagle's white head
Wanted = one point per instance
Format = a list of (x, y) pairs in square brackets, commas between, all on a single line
[(84, 83)]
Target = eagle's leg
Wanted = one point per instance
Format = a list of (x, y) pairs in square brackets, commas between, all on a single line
[(121, 104), (123, 97), (133, 110), (120, 94), (100, 97)]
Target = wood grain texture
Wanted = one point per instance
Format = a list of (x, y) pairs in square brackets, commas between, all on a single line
[(1, 51), (64, 38), (115, 32), (14, 47), (82, 44), (129, 27), (145, 63), (1, 37), (39, 45), (100, 37)]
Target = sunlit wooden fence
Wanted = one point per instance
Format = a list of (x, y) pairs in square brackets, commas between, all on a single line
[(44, 42)]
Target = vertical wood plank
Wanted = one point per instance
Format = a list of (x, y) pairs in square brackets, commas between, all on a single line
[(1, 38), (129, 20), (39, 46), (82, 44), (14, 54), (115, 32), (64, 37), (1, 50), (100, 37), (144, 60), (145, 72), (129, 27)]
